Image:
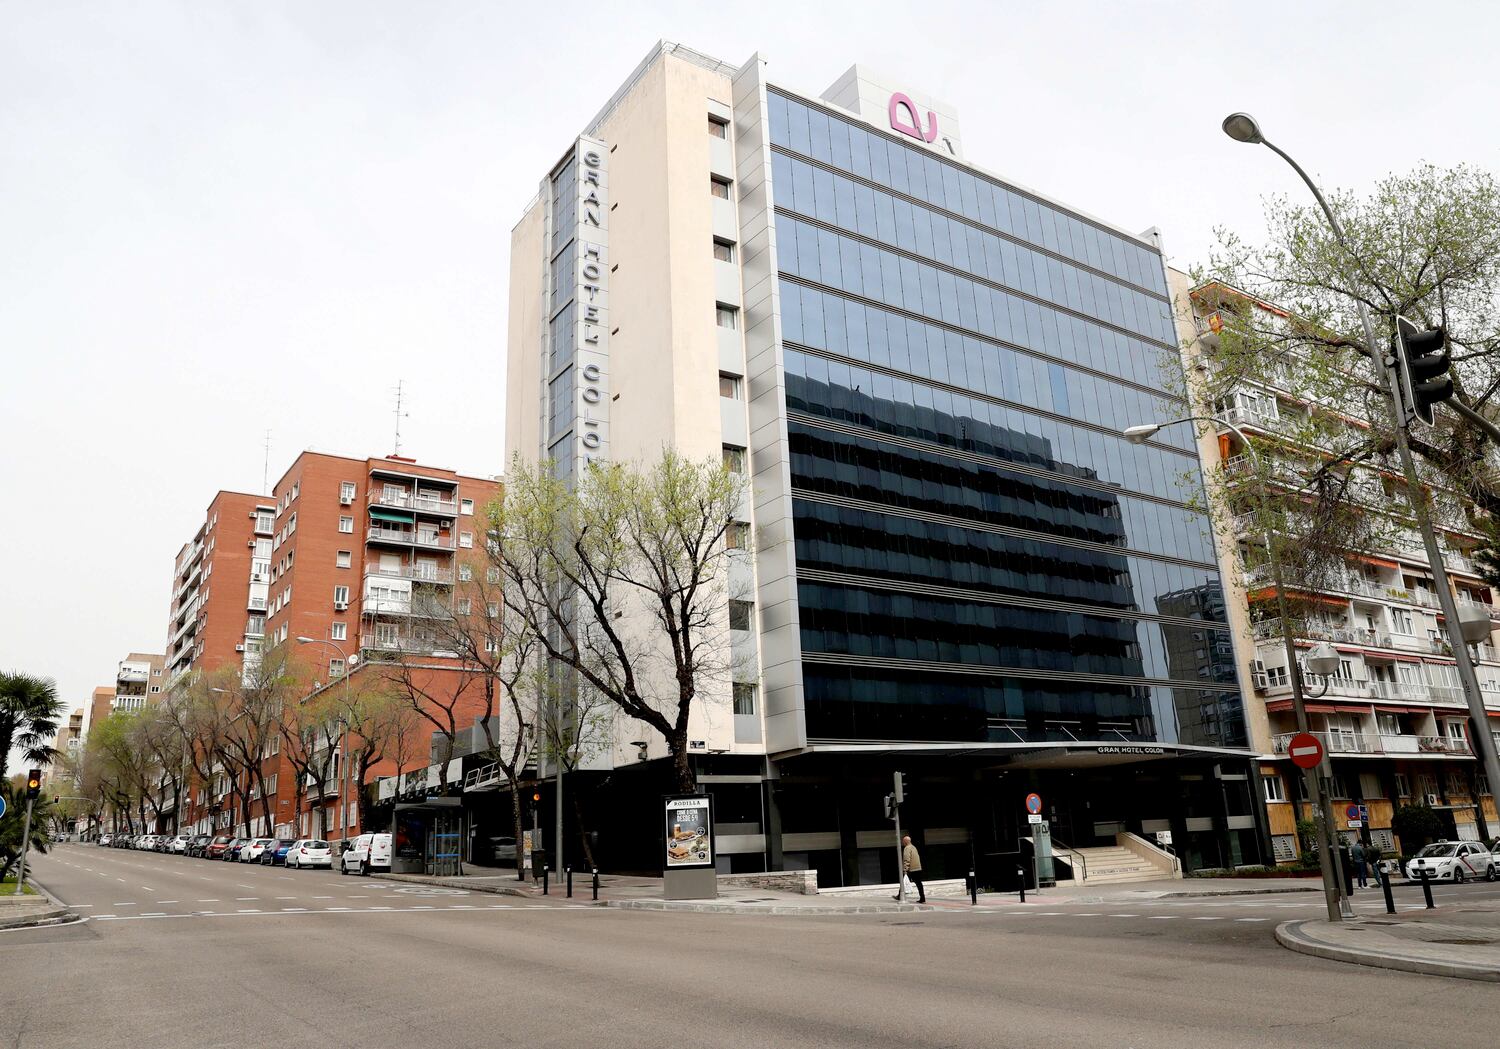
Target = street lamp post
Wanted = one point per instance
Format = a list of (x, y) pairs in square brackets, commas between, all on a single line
[(1242, 127), (1327, 856), (343, 733)]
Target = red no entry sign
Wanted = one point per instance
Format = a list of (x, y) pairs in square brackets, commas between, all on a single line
[(1305, 750)]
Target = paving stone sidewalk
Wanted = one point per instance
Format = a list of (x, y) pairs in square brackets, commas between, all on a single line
[(1461, 941)]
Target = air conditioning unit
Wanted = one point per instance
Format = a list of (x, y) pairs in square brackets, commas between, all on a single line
[(346, 500), (250, 543), (1258, 675), (340, 606), (445, 522), (1433, 801), (239, 648)]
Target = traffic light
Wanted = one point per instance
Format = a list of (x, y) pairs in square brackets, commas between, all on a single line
[(536, 796), (900, 794), (34, 783), (1422, 363), (890, 806)]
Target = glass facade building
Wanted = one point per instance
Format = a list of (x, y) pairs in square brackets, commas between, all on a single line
[(980, 556)]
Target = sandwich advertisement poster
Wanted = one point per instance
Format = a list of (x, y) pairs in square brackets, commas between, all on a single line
[(689, 835)]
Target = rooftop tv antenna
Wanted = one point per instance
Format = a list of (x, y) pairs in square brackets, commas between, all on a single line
[(265, 467), (399, 414)]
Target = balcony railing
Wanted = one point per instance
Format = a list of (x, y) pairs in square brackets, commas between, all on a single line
[(427, 540), (1370, 743), (256, 604), (421, 573), (1244, 416), (425, 503), (372, 643), (403, 606)]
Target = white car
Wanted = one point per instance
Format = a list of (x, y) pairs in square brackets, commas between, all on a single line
[(179, 844), (251, 850), (309, 852), (366, 853), (105, 839), (1455, 861)]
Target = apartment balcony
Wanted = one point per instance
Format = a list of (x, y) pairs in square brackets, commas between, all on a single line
[(256, 604), (405, 537), (1244, 416), (393, 606), (1357, 743), (420, 573), (371, 643), (424, 504), (1488, 609)]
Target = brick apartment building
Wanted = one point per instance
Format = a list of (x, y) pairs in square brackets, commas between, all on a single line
[(347, 553), (219, 585), (100, 704)]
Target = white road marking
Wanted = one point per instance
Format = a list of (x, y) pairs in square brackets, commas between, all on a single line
[(1237, 919), (1112, 915), (248, 910), (147, 888), (1208, 918), (205, 901), (174, 901), (252, 899), (326, 897), (293, 910), (1160, 917)]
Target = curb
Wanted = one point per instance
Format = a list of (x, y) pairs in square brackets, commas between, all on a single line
[(1242, 892), (54, 916), (687, 906), (1291, 936)]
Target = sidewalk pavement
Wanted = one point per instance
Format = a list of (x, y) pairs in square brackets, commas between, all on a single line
[(640, 893), (1461, 940), (645, 894), (24, 912)]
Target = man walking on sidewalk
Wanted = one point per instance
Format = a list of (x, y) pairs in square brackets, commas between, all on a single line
[(911, 867), (1357, 854)]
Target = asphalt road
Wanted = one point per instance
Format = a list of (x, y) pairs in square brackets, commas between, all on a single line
[(191, 953)]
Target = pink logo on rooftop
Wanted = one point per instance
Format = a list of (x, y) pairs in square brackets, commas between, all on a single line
[(911, 124)]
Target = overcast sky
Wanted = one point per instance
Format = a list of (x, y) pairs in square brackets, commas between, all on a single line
[(222, 218)]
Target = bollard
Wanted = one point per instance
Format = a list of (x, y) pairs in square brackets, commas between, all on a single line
[(1426, 886), (1390, 902), (544, 881), (973, 890), (570, 883), (1021, 871), (596, 883)]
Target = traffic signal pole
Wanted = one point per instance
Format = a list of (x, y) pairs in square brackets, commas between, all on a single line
[(25, 843), (1386, 379)]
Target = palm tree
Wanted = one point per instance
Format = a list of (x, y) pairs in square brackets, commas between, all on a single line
[(29, 714)]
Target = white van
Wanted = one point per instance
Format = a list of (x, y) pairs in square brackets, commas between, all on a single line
[(366, 853)]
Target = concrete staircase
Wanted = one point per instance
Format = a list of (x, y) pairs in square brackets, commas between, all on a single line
[(1110, 864)]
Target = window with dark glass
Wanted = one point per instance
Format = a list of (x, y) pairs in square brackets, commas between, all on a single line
[(718, 187), (717, 127), (734, 459), (729, 386), (726, 316), (740, 613), (723, 250)]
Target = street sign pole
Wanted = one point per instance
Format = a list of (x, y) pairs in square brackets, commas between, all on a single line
[(896, 810), (25, 844)]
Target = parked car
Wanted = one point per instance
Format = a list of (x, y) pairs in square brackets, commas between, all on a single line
[(275, 853), (105, 840), (253, 848), (309, 852), (501, 851), (1455, 861), (198, 844), (366, 853), (214, 850), (232, 850), (179, 844)]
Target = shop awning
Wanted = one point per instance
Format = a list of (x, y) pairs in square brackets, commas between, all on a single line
[(391, 515)]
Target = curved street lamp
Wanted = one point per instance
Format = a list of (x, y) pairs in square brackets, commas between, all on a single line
[(1321, 660)]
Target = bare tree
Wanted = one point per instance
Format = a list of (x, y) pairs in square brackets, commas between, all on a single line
[(623, 579)]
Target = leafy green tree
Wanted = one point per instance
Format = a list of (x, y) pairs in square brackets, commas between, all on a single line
[(29, 716), (1428, 248)]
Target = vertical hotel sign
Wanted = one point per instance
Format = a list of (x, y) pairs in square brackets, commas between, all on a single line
[(591, 293)]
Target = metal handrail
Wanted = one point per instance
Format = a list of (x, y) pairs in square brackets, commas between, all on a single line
[(1082, 859)]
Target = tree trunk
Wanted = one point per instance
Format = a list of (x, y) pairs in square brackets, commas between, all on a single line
[(686, 783), (583, 832), (518, 813)]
